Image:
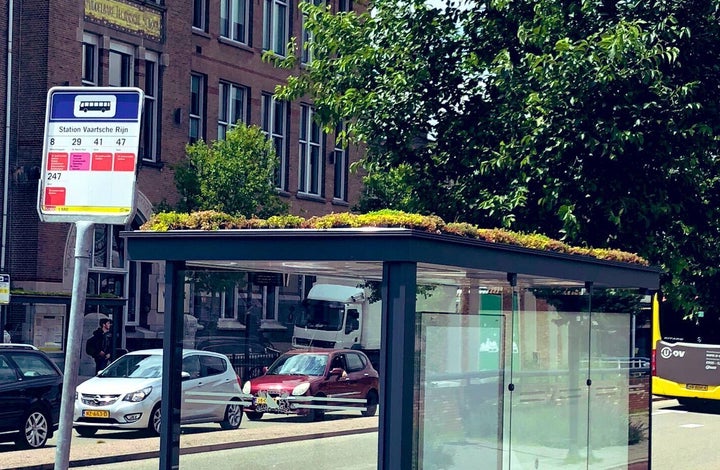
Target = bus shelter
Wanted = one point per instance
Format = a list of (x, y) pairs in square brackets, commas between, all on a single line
[(492, 353)]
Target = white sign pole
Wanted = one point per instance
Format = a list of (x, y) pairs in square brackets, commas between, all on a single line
[(83, 249), (88, 176)]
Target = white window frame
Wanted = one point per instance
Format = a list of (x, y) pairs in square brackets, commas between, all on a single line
[(228, 115), (199, 15), (91, 46), (133, 320), (196, 111), (109, 268), (234, 13), (126, 54), (109, 264), (274, 125), (276, 26), (306, 54), (340, 154), (151, 150), (310, 155)]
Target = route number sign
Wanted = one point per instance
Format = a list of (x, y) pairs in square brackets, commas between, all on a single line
[(90, 154)]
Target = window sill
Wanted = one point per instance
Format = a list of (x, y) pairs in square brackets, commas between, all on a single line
[(310, 197), (340, 202), (272, 325), (276, 54), (229, 324), (199, 32), (158, 165), (236, 44)]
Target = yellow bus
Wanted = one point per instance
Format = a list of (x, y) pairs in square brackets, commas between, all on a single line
[(685, 359)]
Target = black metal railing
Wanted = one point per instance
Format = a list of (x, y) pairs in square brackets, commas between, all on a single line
[(251, 365)]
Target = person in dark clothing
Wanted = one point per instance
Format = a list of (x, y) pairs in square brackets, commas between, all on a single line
[(99, 344)]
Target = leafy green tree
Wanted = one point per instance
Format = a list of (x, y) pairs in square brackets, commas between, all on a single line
[(595, 122), (235, 175)]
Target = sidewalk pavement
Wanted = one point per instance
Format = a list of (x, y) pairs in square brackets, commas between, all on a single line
[(194, 439)]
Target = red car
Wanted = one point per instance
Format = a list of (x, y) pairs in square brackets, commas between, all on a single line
[(312, 382)]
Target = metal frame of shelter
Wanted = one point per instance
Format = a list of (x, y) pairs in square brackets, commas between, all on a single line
[(398, 257)]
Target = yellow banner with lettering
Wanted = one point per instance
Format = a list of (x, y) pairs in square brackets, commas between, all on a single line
[(128, 17)]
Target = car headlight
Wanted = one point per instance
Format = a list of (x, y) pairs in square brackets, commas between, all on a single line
[(246, 388), (139, 395), (301, 389)]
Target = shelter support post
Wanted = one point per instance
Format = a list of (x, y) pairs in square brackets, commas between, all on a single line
[(397, 366), (172, 365)]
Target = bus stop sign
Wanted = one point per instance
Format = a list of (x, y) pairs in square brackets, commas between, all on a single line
[(90, 154)]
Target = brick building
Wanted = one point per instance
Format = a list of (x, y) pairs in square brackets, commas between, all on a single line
[(199, 64)]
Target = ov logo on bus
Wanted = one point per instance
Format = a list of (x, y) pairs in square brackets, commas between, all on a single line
[(667, 353)]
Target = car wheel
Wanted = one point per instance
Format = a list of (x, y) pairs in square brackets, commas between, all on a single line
[(233, 416), (254, 415), (86, 431), (154, 422), (35, 430), (372, 404)]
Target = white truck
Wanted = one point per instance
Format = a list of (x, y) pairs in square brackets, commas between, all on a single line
[(341, 317)]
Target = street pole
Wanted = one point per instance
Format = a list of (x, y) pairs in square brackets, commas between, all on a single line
[(83, 249)]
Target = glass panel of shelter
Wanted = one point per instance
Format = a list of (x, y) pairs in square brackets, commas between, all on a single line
[(528, 376), (514, 374)]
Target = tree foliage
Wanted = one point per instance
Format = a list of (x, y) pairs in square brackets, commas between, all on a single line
[(234, 175), (594, 121)]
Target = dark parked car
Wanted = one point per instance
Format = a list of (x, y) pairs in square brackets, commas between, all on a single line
[(230, 345), (30, 395), (261, 353), (311, 382)]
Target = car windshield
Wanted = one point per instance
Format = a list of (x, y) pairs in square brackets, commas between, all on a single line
[(138, 366), (321, 315), (299, 364)]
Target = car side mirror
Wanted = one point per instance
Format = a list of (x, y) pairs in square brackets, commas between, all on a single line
[(264, 369), (184, 375), (336, 371)]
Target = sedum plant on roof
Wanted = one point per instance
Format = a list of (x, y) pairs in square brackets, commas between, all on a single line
[(213, 220)]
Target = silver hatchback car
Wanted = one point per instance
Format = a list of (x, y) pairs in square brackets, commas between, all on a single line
[(126, 394)]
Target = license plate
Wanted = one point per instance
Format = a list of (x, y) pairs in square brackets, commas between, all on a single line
[(696, 387), (96, 413), (260, 401)]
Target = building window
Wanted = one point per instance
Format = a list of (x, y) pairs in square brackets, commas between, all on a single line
[(107, 268), (310, 167), (274, 119), (149, 144), (197, 107), (200, 14), (306, 56), (232, 108), (234, 20), (90, 60), (276, 19), (340, 153), (344, 6), (121, 62), (108, 247)]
